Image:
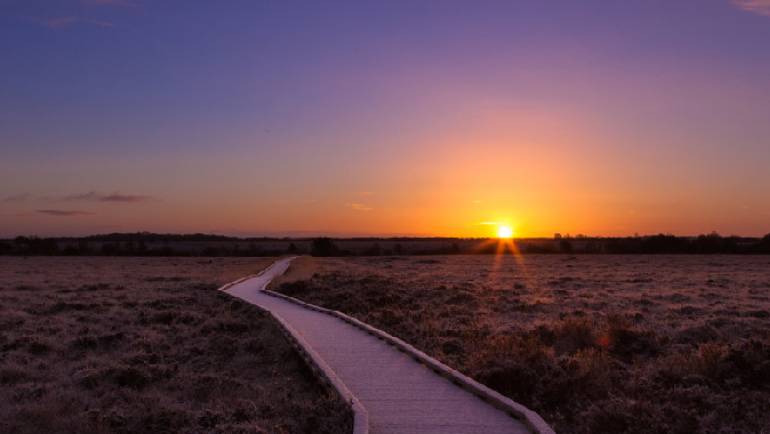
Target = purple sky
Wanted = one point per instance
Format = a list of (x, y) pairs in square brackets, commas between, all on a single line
[(399, 117)]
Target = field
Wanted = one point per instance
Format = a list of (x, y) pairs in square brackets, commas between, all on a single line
[(595, 344), (147, 345)]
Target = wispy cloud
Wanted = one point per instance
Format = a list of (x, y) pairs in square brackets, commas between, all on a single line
[(761, 7), (62, 212), (57, 23), (359, 207), (17, 198), (124, 198), (93, 196), (65, 21)]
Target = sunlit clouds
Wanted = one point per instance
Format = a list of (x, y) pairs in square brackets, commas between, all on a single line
[(761, 7), (63, 212), (359, 207), (93, 196)]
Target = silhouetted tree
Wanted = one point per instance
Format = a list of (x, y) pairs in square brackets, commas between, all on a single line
[(398, 249), (374, 250), (210, 251), (323, 247), (763, 246), (109, 249), (83, 247)]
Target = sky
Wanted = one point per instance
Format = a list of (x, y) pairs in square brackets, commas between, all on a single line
[(352, 118)]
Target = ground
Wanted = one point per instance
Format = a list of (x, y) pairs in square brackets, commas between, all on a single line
[(613, 344), (147, 345)]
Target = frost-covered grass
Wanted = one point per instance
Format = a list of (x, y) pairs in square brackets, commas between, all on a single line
[(147, 345), (595, 344)]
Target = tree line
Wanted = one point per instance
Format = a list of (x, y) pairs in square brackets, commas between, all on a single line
[(147, 244)]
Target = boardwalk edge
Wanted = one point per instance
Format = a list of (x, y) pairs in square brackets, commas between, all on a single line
[(317, 365), (531, 419)]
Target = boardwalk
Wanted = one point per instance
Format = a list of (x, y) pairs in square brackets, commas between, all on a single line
[(400, 395)]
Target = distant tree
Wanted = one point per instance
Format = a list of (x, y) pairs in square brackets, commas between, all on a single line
[(374, 250), (398, 249), (565, 246), (711, 243), (292, 250), (592, 247), (210, 251), (557, 236), (323, 247), (22, 245), (37, 246), (83, 247), (763, 246), (662, 243), (109, 249)]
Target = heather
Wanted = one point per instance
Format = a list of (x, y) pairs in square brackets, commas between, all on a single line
[(595, 344), (147, 345)]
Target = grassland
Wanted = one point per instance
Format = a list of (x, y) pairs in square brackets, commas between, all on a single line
[(146, 345), (595, 344)]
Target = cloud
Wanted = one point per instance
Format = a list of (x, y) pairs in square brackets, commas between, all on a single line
[(17, 198), (62, 212), (761, 7), (93, 196), (359, 207), (124, 198), (57, 23)]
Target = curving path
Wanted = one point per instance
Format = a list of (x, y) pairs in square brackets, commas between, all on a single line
[(399, 394)]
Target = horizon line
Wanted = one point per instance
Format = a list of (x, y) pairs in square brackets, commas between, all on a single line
[(295, 235)]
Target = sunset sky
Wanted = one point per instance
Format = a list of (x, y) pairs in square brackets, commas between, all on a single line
[(384, 118)]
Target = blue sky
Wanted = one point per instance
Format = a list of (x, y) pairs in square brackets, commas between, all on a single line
[(414, 117)]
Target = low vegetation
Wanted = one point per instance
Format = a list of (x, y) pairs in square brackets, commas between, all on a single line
[(147, 345), (595, 344)]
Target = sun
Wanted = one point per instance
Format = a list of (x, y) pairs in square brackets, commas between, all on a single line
[(504, 231)]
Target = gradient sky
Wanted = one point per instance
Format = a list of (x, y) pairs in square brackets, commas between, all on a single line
[(384, 118)]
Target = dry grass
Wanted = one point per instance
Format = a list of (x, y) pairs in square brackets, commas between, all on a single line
[(146, 345), (604, 344)]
